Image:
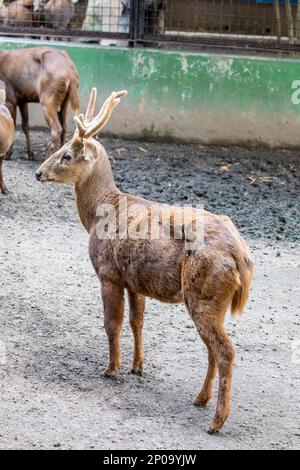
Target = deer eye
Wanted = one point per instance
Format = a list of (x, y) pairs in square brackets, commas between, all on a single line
[(66, 158)]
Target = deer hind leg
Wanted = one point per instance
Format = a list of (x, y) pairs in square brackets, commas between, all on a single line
[(207, 300), (25, 127), (52, 119), (213, 334), (137, 308), (3, 187), (113, 301), (63, 121)]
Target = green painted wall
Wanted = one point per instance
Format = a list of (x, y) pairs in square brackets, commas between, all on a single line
[(192, 97)]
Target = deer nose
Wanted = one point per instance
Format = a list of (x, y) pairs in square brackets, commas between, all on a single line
[(38, 175)]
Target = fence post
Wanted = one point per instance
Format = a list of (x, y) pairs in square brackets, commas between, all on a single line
[(290, 21), (141, 19), (278, 19), (298, 22), (137, 21)]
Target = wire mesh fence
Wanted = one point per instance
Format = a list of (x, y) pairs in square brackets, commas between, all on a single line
[(65, 18), (265, 24), (242, 17)]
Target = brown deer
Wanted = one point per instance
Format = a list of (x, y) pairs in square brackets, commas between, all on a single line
[(7, 132), (208, 279), (59, 13), (40, 75), (17, 13)]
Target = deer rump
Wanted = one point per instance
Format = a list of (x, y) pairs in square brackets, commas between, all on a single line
[(55, 80)]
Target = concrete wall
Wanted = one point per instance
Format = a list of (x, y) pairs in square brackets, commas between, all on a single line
[(212, 99)]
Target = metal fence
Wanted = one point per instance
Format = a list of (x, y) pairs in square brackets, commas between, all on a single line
[(236, 24), (65, 18)]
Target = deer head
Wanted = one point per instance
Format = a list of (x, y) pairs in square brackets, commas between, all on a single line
[(74, 162)]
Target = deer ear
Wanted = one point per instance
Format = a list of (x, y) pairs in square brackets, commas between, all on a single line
[(90, 150)]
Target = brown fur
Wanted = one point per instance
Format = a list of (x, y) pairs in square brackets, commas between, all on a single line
[(59, 13), (208, 281), (7, 132), (41, 75), (17, 13)]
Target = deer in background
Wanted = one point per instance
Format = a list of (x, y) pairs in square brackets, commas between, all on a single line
[(41, 75), (7, 132), (208, 280), (17, 13), (55, 13), (59, 13)]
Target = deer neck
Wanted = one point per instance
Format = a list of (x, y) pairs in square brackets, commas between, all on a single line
[(98, 188)]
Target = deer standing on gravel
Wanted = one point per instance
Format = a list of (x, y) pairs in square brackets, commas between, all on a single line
[(208, 279), (40, 75), (7, 132)]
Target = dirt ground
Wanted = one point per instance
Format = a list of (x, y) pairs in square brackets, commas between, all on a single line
[(53, 393)]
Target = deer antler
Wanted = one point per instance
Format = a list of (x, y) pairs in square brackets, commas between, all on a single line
[(91, 106), (87, 126)]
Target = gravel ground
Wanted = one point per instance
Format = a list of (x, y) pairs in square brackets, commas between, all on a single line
[(53, 394)]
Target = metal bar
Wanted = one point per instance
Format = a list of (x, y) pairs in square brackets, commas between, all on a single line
[(222, 42), (289, 17), (132, 23), (78, 33), (137, 21), (278, 19), (141, 19), (298, 21)]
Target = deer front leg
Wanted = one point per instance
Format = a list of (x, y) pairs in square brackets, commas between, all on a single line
[(3, 188), (113, 301), (25, 127), (137, 308)]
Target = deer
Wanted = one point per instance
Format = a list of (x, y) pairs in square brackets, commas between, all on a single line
[(40, 75), (17, 13), (207, 278), (59, 13), (56, 13), (7, 132)]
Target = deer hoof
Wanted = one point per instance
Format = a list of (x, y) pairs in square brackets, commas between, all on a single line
[(212, 431), (201, 401), (216, 425), (137, 371), (5, 191), (110, 373)]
